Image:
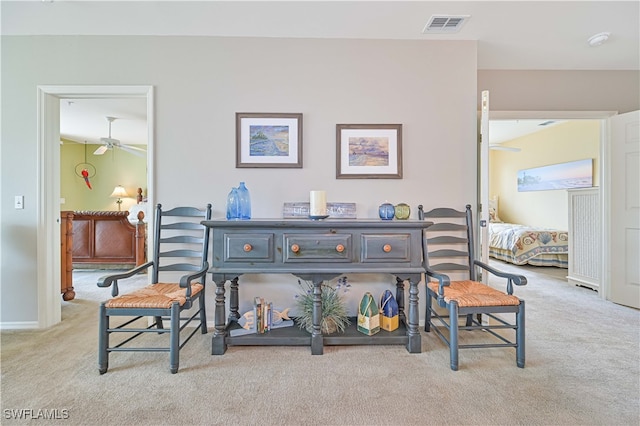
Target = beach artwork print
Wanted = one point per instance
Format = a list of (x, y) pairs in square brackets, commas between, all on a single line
[(574, 174), (268, 141), (368, 151)]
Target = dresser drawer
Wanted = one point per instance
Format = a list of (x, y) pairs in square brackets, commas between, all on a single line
[(386, 248), (248, 247), (317, 247)]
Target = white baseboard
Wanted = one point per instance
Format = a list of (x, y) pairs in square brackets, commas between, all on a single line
[(19, 325)]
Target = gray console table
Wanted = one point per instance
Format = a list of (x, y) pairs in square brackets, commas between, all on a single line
[(316, 251)]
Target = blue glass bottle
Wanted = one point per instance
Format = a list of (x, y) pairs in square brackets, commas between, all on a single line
[(233, 204), (245, 202)]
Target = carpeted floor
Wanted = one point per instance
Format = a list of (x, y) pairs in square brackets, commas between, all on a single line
[(583, 368)]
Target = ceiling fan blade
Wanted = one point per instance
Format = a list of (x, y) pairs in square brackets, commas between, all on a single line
[(101, 150), (133, 150), (504, 148)]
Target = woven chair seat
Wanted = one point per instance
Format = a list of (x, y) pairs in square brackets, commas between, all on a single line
[(158, 295), (473, 293)]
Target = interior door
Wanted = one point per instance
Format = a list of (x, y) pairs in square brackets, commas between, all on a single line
[(483, 212), (625, 210)]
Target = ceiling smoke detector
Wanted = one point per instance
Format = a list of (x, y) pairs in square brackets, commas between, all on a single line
[(598, 39), (439, 24)]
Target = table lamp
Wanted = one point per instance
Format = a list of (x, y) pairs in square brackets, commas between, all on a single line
[(119, 192)]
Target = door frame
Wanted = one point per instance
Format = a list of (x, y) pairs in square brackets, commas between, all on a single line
[(605, 169), (48, 183)]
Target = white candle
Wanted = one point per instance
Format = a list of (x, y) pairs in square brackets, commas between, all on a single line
[(318, 203)]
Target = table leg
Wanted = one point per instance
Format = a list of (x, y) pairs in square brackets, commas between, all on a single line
[(218, 344), (233, 300), (400, 299), (415, 340), (316, 333)]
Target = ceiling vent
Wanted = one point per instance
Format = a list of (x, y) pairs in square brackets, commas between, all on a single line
[(439, 24)]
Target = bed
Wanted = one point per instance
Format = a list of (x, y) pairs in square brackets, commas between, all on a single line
[(526, 245), (99, 240)]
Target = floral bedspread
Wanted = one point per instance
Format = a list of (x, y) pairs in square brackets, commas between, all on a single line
[(526, 242)]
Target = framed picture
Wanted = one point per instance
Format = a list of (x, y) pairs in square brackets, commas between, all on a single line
[(369, 151), (573, 174), (268, 140)]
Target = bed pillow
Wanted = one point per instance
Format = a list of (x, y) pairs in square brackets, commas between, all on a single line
[(493, 210), (133, 212)]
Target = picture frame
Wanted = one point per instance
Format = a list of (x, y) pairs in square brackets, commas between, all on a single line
[(268, 140), (368, 151), (568, 175)]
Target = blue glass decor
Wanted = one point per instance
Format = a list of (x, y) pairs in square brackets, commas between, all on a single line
[(245, 202), (233, 204), (386, 211)]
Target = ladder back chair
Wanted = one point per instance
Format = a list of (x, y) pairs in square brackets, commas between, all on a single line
[(449, 252), (180, 245)]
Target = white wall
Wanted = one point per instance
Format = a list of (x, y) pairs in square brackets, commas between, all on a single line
[(201, 82)]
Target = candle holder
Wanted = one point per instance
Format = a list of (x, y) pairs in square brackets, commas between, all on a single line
[(318, 205)]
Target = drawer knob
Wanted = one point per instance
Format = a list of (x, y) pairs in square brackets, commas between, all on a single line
[(247, 247), (386, 248), (295, 248), (340, 248)]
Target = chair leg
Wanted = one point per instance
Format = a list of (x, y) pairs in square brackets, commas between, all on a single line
[(469, 320), (203, 313), (427, 315), (453, 335), (159, 323), (520, 336), (174, 344), (103, 340)]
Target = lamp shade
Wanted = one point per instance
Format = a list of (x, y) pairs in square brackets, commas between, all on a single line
[(119, 192)]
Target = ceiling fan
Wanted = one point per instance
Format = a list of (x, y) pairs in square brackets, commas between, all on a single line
[(110, 143)]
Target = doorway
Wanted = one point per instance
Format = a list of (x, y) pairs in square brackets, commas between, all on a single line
[(603, 164), (48, 264)]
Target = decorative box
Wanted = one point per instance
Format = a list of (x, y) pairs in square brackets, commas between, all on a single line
[(368, 315), (388, 311)]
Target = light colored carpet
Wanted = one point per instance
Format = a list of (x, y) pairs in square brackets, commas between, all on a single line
[(582, 369)]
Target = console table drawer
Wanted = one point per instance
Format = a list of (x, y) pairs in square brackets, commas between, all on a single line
[(248, 247), (386, 247), (317, 248)]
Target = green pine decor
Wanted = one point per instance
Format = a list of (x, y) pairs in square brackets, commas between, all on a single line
[(334, 312)]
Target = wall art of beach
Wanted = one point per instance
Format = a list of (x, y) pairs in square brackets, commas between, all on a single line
[(368, 151), (574, 174), (269, 141)]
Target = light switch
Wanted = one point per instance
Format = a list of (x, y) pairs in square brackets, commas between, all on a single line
[(19, 202)]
